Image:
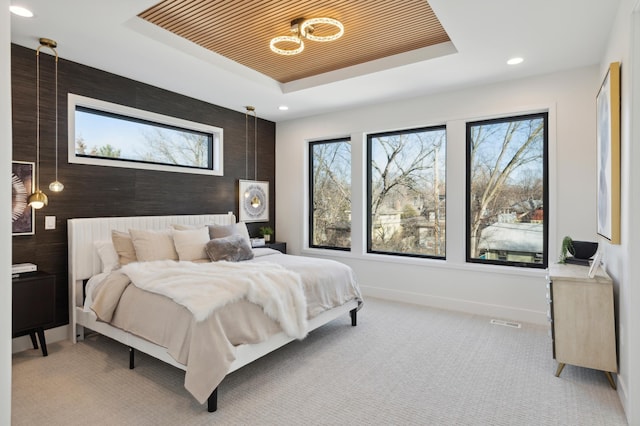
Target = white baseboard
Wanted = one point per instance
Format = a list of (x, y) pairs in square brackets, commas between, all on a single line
[(53, 335), (494, 311), (623, 395)]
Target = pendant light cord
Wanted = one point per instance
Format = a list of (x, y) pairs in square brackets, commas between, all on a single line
[(56, 101), (246, 143), (38, 119), (255, 145)]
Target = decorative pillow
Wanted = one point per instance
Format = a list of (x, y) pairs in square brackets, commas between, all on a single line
[(153, 245), (124, 247), (190, 243), (108, 255), (220, 231), (181, 227), (232, 248)]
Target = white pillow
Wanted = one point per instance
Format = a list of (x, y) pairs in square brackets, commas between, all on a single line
[(190, 243), (242, 230), (108, 255), (181, 227), (153, 245)]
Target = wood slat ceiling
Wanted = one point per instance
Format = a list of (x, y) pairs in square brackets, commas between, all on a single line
[(242, 29)]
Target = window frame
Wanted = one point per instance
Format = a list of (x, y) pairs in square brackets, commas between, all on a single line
[(311, 144), (368, 221), (214, 134), (545, 199)]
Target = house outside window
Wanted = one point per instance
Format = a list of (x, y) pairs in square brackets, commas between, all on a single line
[(507, 191), (407, 192), (330, 194)]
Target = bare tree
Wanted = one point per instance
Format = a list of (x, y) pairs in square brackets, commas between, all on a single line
[(106, 151), (81, 146), (187, 149), (97, 151)]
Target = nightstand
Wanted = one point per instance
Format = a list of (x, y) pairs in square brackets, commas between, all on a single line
[(280, 246), (33, 306), (581, 311)]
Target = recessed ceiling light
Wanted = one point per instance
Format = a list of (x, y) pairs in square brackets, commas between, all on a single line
[(283, 108), (515, 61), (21, 11)]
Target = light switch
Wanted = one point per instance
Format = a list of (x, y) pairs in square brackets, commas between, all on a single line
[(49, 222)]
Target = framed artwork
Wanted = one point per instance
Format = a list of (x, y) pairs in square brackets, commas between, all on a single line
[(22, 175), (608, 155), (254, 201)]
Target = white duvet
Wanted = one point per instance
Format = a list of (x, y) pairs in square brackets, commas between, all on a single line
[(204, 287)]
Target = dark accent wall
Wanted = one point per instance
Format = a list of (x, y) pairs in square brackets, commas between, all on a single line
[(93, 191)]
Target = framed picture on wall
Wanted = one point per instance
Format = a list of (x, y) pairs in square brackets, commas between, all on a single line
[(608, 155), (254, 201), (22, 175)]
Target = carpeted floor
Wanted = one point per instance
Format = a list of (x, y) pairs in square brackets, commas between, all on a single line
[(402, 365)]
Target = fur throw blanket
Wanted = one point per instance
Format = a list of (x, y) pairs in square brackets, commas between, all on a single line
[(205, 287)]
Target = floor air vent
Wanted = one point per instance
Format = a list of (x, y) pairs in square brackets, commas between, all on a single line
[(506, 323)]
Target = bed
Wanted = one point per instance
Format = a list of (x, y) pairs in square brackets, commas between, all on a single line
[(207, 344)]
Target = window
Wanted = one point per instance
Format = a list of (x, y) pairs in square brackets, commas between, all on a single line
[(507, 191), (102, 133), (330, 194), (407, 192)]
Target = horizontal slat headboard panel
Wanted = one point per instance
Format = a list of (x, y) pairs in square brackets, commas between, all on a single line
[(83, 257)]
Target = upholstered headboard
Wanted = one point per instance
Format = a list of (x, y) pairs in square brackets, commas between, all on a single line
[(83, 256), (84, 261)]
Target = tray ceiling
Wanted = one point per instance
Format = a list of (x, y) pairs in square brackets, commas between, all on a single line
[(242, 29)]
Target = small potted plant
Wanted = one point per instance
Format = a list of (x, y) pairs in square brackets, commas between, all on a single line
[(266, 232), (567, 244)]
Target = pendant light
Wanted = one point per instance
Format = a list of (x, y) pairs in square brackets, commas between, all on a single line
[(39, 199), (255, 201), (253, 194), (56, 185)]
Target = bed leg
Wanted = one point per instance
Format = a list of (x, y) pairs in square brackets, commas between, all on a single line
[(34, 342), (79, 333), (132, 354), (354, 317), (212, 401)]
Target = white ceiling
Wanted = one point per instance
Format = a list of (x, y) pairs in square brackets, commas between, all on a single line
[(551, 35)]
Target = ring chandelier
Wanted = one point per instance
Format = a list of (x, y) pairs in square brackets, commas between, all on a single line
[(304, 28)]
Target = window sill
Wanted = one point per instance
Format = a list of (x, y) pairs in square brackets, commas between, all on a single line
[(426, 262)]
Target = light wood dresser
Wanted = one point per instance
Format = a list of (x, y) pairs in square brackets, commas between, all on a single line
[(582, 318)]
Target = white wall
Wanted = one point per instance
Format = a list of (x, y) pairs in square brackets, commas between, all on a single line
[(621, 263), (512, 293), (5, 218)]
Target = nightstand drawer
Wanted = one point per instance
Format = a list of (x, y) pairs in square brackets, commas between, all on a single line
[(33, 301)]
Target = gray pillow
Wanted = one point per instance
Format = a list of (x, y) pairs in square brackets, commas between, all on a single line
[(232, 248), (221, 231)]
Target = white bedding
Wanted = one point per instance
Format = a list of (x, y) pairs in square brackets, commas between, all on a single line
[(208, 348), (92, 283), (230, 338), (95, 280), (205, 287)]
